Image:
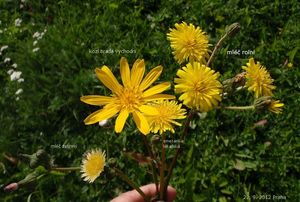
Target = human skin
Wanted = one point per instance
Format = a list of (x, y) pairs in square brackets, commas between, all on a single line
[(149, 190)]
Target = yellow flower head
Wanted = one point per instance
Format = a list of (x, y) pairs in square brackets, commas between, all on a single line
[(131, 98), (169, 111), (276, 106), (92, 165), (199, 85), (258, 79), (188, 43)]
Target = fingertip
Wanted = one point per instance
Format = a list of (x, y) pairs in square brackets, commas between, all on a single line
[(171, 194)]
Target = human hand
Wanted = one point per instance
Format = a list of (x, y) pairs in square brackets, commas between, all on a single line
[(149, 190)]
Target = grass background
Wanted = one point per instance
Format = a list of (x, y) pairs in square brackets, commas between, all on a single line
[(225, 157)]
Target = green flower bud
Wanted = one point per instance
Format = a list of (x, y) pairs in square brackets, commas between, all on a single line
[(233, 29), (40, 158), (262, 103)]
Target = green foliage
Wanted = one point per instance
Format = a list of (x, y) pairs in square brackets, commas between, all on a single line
[(226, 157)]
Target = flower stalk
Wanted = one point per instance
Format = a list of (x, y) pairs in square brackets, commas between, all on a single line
[(65, 169), (230, 32), (178, 150), (162, 168), (130, 183), (251, 107), (153, 160)]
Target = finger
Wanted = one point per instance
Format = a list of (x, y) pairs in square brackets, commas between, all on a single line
[(171, 194), (134, 196), (149, 190)]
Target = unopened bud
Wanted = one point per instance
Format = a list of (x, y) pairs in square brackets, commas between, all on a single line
[(233, 29), (11, 187), (234, 83), (112, 162), (262, 103), (40, 158), (239, 79), (227, 85)]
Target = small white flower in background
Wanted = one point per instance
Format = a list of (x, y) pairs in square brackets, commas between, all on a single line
[(18, 22), (103, 122), (17, 98), (6, 60), (36, 49), (35, 42), (22, 1), (36, 35), (19, 91), (20, 80), (15, 76), (39, 35), (10, 71), (1, 31), (3, 48), (15, 65), (21, 6)]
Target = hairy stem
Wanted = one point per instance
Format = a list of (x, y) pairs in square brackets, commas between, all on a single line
[(65, 169), (153, 160), (240, 107), (162, 168), (216, 49), (131, 183), (178, 150)]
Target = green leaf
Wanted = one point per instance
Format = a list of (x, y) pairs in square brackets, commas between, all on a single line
[(250, 165), (222, 199), (292, 54), (226, 191), (239, 165)]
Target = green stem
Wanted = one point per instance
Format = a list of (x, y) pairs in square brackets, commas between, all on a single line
[(162, 168), (230, 32), (178, 150), (131, 183), (240, 107), (153, 160), (217, 47), (67, 169)]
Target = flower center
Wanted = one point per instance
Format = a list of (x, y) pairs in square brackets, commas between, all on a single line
[(130, 99), (191, 44), (94, 165), (199, 87)]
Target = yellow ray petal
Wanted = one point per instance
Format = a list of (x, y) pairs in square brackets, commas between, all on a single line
[(157, 89), (159, 97), (137, 72), (120, 121), (101, 115), (151, 77), (141, 122), (108, 79), (125, 72), (96, 100), (148, 110)]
